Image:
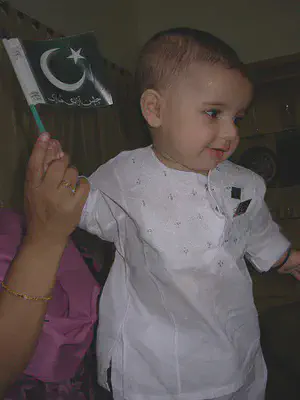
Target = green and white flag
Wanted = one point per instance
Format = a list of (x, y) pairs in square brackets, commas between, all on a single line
[(68, 71)]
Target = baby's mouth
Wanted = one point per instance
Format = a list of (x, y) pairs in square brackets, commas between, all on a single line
[(218, 153)]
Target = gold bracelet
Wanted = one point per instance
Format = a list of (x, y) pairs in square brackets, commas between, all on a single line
[(25, 296)]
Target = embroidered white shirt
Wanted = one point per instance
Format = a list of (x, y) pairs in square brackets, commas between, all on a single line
[(177, 318)]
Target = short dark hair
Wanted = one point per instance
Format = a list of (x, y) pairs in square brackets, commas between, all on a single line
[(170, 52)]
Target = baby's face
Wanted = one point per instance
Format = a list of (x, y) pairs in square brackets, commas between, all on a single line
[(199, 116)]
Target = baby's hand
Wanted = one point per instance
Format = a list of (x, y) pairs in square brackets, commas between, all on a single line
[(294, 271), (292, 266), (54, 153)]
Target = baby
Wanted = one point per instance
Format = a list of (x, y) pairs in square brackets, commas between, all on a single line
[(177, 317)]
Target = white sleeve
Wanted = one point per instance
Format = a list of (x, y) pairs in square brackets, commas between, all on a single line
[(103, 210), (100, 216), (266, 244)]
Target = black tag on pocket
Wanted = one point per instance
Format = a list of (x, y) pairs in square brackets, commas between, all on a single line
[(242, 208), (236, 193)]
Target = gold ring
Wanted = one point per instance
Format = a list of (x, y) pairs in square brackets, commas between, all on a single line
[(68, 185)]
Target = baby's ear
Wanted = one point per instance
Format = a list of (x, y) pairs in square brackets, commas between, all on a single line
[(151, 106)]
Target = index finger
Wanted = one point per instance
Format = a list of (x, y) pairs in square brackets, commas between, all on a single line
[(35, 169)]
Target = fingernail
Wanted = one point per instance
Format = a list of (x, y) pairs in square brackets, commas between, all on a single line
[(61, 154), (44, 137)]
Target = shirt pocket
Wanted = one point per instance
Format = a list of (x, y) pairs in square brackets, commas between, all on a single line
[(236, 236)]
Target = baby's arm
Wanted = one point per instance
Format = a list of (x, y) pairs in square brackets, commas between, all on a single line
[(103, 213), (266, 246), (100, 216), (290, 264)]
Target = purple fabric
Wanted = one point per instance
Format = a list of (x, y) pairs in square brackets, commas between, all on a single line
[(72, 313)]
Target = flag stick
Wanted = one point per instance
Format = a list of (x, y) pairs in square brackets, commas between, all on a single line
[(37, 118)]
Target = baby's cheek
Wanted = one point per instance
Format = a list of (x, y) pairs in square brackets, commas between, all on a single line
[(233, 146)]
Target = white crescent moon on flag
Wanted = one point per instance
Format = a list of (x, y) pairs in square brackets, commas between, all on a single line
[(68, 87)]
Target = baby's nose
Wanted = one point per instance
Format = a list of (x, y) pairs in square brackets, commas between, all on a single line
[(230, 131)]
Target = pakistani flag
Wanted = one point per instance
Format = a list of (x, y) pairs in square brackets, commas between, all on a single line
[(68, 71)]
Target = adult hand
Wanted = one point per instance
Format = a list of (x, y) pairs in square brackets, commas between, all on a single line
[(52, 206)]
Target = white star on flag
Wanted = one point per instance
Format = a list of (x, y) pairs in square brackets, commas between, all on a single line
[(76, 55)]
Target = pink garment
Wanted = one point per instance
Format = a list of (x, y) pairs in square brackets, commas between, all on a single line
[(68, 328)]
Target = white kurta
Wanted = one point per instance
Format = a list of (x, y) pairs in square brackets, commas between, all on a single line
[(177, 318)]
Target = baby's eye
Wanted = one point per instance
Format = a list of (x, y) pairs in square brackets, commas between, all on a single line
[(213, 113), (237, 119)]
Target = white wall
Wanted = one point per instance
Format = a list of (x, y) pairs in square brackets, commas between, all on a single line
[(114, 22), (257, 29)]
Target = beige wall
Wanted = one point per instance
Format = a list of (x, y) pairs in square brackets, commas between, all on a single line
[(114, 22), (257, 29)]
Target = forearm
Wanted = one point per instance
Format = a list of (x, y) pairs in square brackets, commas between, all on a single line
[(32, 272), (289, 261), (284, 259)]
